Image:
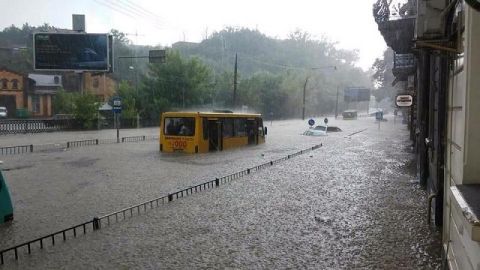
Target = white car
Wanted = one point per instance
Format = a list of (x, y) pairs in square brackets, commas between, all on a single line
[(3, 112), (316, 131)]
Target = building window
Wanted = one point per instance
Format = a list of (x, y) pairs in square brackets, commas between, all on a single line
[(14, 84), (36, 103), (4, 83), (95, 83)]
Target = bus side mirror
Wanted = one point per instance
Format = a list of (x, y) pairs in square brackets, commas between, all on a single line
[(265, 130)]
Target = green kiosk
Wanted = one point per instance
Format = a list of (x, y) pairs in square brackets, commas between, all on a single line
[(6, 208)]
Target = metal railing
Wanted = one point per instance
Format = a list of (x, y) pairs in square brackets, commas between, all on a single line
[(117, 216), (16, 150), (33, 125), (134, 139), (82, 143), (22, 149)]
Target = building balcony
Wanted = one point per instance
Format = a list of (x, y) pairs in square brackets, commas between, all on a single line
[(404, 65)]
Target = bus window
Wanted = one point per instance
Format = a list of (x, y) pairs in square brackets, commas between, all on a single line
[(240, 127), (228, 127), (179, 126)]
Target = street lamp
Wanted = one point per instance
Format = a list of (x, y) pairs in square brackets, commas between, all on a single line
[(305, 86)]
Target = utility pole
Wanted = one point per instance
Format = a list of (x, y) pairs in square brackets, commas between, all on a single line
[(336, 105), (304, 91), (235, 83)]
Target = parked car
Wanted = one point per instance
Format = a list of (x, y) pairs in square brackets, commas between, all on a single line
[(3, 112)]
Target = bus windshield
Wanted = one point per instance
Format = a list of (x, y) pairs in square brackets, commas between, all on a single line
[(179, 126)]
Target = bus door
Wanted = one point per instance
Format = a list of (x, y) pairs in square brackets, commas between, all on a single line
[(252, 131), (215, 142)]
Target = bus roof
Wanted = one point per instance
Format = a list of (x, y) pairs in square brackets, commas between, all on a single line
[(209, 114)]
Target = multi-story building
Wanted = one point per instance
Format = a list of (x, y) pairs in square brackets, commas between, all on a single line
[(443, 39)]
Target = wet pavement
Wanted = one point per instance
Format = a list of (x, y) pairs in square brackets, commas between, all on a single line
[(351, 204)]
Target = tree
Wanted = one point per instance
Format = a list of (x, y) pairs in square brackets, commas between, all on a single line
[(178, 83), (63, 102), (129, 100), (85, 109), (383, 77)]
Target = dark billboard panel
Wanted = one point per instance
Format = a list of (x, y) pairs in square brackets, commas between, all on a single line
[(356, 94), (58, 51)]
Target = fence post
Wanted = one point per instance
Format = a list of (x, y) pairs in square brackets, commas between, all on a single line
[(96, 223), (170, 197), (123, 139), (31, 148), (96, 141), (217, 182), (144, 137), (68, 144)]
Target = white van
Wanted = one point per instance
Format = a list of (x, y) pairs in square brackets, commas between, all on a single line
[(3, 112)]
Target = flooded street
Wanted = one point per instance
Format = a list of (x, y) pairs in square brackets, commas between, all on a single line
[(351, 204)]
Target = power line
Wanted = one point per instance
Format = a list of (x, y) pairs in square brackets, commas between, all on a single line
[(125, 11), (142, 10)]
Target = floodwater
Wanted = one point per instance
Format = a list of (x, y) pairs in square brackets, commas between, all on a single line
[(351, 204)]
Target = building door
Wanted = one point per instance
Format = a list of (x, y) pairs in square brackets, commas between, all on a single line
[(45, 106)]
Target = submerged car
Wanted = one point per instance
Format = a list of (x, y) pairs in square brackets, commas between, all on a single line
[(316, 131)]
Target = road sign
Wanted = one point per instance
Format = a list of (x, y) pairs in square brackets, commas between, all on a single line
[(156, 56), (311, 122), (404, 100), (117, 105), (325, 120)]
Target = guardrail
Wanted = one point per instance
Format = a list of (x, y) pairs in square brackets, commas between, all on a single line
[(117, 216), (34, 125), (82, 143), (134, 139), (21, 149), (15, 150)]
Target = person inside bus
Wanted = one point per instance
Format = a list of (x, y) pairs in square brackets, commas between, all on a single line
[(184, 130)]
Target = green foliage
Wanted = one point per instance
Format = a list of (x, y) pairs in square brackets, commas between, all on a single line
[(383, 77), (85, 109), (129, 100), (179, 83), (63, 102)]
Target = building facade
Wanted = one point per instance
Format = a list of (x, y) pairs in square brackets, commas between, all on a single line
[(12, 94), (443, 37), (42, 88), (101, 85)]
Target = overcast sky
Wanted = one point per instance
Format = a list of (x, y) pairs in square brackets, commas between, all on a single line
[(348, 22)]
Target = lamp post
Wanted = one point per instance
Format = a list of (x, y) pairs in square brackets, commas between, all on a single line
[(305, 86)]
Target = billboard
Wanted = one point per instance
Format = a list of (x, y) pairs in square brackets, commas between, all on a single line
[(78, 52), (356, 94)]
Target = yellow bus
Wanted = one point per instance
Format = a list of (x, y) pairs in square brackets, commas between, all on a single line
[(201, 132)]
